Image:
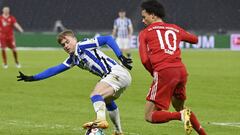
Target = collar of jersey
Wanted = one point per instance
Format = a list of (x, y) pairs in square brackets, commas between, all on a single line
[(76, 49)]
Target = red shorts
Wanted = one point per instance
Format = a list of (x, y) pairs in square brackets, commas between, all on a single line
[(7, 42), (167, 83)]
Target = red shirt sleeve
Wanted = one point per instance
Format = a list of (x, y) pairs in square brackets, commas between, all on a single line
[(188, 37), (13, 19), (143, 51)]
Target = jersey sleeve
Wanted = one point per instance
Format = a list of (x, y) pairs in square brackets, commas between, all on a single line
[(188, 37), (50, 72), (69, 62), (87, 44), (108, 40), (129, 23), (14, 20), (115, 24), (143, 51)]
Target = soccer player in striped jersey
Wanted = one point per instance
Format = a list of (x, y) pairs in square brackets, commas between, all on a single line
[(161, 56), (123, 30), (114, 77)]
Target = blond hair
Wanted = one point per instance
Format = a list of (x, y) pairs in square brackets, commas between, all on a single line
[(64, 33)]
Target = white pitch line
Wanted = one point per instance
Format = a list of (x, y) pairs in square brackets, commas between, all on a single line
[(230, 124), (128, 133), (34, 125), (51, 126)]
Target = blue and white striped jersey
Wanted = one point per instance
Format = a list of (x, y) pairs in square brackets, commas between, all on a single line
[(87, 56), (122, 25)]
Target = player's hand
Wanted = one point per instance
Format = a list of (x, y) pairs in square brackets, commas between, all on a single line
[(126, 61), (24, 78)]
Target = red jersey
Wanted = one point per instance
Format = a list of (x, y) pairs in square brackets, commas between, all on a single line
[(7, 26), (159, 45)]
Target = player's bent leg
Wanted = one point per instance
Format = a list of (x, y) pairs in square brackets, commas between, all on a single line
[(100, 109), (115, 117), (102, 90), (108, 88), (149, 108), (178, 104), (155, 115), (196, 125), (185, 117)]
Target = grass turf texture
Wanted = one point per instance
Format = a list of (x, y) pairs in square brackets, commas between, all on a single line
[(61, 104)]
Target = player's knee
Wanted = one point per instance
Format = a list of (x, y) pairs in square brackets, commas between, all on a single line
[(148, 117), (178, 108), (3, 49), (178, 104), (95, 93)]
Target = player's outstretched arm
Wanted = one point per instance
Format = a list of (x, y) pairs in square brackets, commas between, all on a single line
[(188, 37), (25, 78), (43, 75), (18, 27)]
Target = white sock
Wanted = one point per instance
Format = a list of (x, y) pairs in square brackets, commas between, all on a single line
[(115, 118), (100, 109), (182, 115)]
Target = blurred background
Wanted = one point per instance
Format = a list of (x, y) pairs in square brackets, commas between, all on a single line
[(88, 17)]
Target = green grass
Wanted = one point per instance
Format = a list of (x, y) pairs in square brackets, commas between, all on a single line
[(60, 105)]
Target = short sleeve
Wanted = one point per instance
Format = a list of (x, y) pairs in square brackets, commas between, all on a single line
[(129, 22), (13, 19)]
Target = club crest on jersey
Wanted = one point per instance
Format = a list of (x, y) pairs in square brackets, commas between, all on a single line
[(4, 23)]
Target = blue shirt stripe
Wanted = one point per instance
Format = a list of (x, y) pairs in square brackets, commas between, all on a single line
[(113, 62), (97, 70), (83, 47), (96, 60)]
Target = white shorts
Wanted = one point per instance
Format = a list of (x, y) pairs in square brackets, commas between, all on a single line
[(119, 78), (123, 43)]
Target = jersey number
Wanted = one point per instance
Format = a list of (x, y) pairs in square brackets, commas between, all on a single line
[(170, 48)]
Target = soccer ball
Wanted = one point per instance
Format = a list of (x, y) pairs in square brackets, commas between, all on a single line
[(94, 131)]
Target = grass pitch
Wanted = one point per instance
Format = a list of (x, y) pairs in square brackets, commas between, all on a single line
[(61, 104)]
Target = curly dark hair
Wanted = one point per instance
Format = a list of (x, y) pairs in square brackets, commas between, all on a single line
[(153, 7)]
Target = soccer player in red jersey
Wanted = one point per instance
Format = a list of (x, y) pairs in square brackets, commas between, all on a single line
[(7, 24), (161, 56)]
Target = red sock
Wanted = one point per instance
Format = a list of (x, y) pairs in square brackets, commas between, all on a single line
[(163, 116), (4, 56), (196, 125)]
